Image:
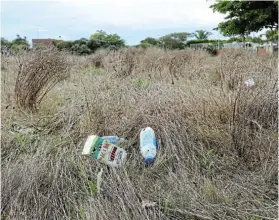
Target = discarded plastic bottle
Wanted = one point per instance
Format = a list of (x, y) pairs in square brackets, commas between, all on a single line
[(148, 145), (113, 139), (250, 82)]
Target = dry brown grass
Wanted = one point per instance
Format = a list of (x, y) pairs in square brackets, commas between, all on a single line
[(38, 72), (217, 139)]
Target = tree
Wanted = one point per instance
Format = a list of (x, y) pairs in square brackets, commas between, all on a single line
[(99, 35), (5, 43), (272, 35), (80, 47), (144, 45), (63, 45), (233, 28), (205, 41), (151, 41), (201, 34), (94, 45), (107, 40), (175, 40), (114, 40), (5, 46), (19, 44), (234, 39), (20, 41), (244, 17)]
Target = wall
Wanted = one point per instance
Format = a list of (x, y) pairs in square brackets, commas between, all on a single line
[(259, 50)]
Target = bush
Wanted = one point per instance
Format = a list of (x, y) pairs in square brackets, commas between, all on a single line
[(80, 49), (145, 45), (38, 73), (211, 49), (204, 41)]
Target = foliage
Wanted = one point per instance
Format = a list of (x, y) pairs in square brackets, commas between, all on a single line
[(144, 45), (247, 39), (233, 27), (99, 35), (5, 43), (175, 40), (63, 44), (108, 40), (94, 45), (272, 35), (254, 39), (207, 159), (234, 39), (98, 40), (244, 17), (16, 45), (80, 47), (203, 41), (141, 82), (201, 34), (18, 48), (151, 41), (211, 49), (20, 41)]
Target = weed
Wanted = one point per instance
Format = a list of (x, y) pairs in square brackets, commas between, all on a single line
[(207, 159), (218, 154), (141, 82)]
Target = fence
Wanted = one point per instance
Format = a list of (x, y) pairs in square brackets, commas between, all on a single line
[(268, 48), (220, 45)]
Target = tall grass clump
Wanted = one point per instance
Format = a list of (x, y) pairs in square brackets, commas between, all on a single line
[(38, 73)]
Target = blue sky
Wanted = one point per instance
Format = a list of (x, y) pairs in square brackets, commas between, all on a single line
[(133, 20)]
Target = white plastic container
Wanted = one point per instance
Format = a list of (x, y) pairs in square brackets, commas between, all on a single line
[(104, 151), (250, 82), (148, 145)]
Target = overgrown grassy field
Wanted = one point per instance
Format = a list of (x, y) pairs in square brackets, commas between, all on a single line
[(217, 138)]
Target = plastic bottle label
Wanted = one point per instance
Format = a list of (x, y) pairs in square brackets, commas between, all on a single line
[(105, 152)]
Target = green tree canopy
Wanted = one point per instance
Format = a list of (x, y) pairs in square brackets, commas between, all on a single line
[(98, 40), (5, 42), (175, 40), (272, 35), (144, 45), (80, 47), (19, 44), (20, 41), (150, 40), (99, 35), (201, 34), (63, 44), (107, 40), (244, 17)]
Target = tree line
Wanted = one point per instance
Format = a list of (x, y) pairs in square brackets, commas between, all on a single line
[(242, 18)]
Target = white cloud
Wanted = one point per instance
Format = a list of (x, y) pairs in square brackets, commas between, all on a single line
[(136, 14), (130, 18)]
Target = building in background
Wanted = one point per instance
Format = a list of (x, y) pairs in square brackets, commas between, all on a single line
[(44, 42)]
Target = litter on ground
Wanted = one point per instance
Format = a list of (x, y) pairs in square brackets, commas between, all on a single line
[(104, 151), (250, 82)]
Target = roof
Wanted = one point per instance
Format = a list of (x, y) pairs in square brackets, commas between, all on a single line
[(45, 42)]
